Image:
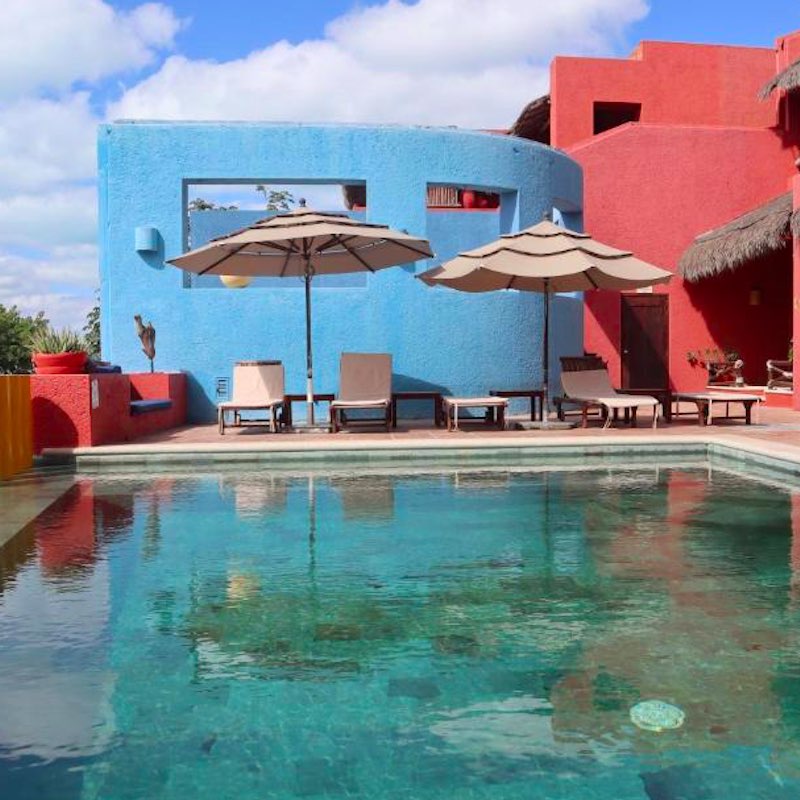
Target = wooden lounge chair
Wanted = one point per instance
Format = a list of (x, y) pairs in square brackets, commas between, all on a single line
[(365, 384), (591, 388), (779, 374), (257, 385)]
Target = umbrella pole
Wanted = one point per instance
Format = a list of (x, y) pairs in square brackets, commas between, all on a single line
[(546, 355), (309, 361)]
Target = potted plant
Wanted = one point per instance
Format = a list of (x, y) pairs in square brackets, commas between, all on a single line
[(723, 365), (55, 352)]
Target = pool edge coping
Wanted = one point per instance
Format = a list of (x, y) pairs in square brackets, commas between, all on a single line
[(778, 455)]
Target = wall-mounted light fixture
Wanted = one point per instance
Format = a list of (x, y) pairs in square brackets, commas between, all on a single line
[(755, 296), (146, 239), (235, 281)]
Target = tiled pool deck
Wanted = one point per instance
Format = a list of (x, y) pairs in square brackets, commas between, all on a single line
[(777, 433)]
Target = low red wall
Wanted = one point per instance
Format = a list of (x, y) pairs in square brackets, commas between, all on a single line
[(88, 410)]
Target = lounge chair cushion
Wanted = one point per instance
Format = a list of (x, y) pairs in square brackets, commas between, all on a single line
[(256, 386), (475, 402), (380, 403), (593, 385), (230, 404), (365, 377)]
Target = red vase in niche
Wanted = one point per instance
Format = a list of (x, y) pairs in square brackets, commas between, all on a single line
[(59, 363)]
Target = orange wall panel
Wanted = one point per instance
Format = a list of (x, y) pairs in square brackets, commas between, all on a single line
[(16, 427)]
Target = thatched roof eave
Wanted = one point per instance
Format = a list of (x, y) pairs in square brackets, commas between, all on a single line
[(533, 121), (788, 80), (750, 236)]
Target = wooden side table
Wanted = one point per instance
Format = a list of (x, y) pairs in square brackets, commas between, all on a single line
[(536, 396), (288, 399), (419, 395), (495, 410)]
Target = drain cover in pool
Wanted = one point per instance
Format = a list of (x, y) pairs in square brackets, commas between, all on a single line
[(656, 715)]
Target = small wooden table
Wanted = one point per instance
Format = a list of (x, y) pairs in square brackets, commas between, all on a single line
[(706, 400), (536, 396), (664, 397), (288, 399), (419, 395), (495, 409)]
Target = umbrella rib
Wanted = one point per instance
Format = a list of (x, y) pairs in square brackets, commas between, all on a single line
[(220, 260), (357, 257), (286, 260), (409, 247), (335, 239)]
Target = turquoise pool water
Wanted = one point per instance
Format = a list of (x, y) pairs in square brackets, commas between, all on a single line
[(397, 635)]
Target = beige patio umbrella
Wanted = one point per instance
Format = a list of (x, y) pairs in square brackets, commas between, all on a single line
[(302, 244), (545, 258)]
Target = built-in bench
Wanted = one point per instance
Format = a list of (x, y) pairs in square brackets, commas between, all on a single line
[(146, 406), (92, 409)]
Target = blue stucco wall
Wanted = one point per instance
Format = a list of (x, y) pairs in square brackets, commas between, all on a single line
[(463, 343)]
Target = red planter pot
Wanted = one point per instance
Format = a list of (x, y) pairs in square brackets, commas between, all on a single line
[(59, 363)]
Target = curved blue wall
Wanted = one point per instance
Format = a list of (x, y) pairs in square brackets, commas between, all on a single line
[(461, 342)]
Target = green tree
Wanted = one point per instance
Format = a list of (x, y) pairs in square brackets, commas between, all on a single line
[(276, 199), (15, 332), (198, 204), (91, 330)]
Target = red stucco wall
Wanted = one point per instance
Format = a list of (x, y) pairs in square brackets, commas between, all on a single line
[(675, 83), (796, 302), (654, 188)]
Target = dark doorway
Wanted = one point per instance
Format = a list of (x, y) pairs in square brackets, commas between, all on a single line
[(645, 341)]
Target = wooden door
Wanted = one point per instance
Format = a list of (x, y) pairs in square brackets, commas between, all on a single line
[(645, 341)]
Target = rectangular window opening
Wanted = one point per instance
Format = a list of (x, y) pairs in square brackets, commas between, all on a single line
[(612, 115), (439, 197), (216, 208)]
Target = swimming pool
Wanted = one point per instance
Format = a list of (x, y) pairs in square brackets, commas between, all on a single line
[(403, 634)]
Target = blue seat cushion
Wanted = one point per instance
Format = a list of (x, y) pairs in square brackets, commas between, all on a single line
[(146, 406)]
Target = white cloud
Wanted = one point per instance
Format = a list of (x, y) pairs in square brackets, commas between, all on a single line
[(465, 62), (64, 215), (72, 267), (63, 311), (52, 44), (61, 280), (464, 36), (46, 142)]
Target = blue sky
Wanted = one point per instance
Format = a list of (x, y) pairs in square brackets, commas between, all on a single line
[(472, 63)]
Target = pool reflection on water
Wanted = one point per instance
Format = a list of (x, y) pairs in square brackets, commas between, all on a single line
[(473, 633)]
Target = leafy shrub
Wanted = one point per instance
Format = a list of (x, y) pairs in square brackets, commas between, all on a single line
[(16, 330)]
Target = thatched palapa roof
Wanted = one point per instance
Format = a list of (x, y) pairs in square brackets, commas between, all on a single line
[(758, 232), (788, 80), (534, 121)]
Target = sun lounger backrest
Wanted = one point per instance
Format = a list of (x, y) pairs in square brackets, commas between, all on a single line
[(258, 383), (588, 361), (587, 384), (365, 376)]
